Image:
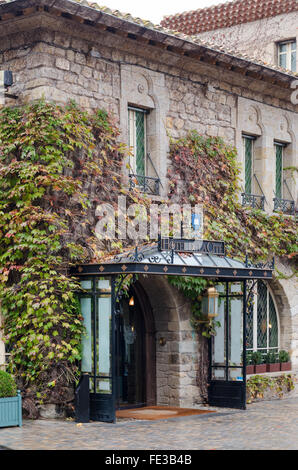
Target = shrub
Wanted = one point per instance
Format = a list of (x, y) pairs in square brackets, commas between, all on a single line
[(257, 357), (270, 358), (8, 386), (284, 356), (249, 356)]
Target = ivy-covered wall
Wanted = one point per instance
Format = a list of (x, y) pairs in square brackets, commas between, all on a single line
[(57, 163)]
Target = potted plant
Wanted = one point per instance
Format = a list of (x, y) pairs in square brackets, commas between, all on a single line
[(272, 364), (257, 360), (284, 359), (10, 401), (250, 368)]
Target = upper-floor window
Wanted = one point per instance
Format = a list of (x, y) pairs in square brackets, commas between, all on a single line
[(248, 148), (279, 170), (287, 55), (137, 140), (137, 136)]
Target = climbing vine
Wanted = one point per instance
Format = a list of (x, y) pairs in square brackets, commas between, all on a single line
[(205, 171), (56, 164)]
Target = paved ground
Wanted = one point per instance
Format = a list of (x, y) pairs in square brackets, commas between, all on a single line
[(264, 425)]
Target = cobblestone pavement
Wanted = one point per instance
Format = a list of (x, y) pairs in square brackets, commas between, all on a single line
[(264, 425)]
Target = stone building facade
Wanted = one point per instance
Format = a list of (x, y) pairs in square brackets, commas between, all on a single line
[(257, 28), (61, 50)]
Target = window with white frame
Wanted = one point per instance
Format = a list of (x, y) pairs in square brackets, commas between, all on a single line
[(137, 120), (262, 321), (287, 55)]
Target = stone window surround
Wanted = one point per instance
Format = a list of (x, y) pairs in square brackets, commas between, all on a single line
[(142, 88), (268, 126)]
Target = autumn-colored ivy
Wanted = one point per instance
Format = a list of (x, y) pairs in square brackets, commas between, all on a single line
[(205, 171), (57, 163)]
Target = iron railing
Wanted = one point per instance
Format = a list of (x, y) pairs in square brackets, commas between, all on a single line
[(253, 200), (145, 184), (287, 206)]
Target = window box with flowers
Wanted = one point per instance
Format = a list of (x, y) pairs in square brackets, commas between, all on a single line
[(257, 360)]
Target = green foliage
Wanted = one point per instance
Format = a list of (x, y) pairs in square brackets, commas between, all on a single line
[(192, 288), (249, 358), (270, 358), (56, 164), (210, 173), (257, 357), (8, 387), (257, 385), (283, 356)]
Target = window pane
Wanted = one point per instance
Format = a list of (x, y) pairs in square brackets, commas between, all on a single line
[(104, 335), (278, 171), (249, 323), (218, 374), (86, 308), (87, 285), (235, 331), (293, 61), (262, 316), (273, 325), (283, 48), (248, 165), (236, 374), (140, 143), (218, 346)]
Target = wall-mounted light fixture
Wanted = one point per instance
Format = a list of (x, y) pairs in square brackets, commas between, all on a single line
[(131, 302), (210, 303)]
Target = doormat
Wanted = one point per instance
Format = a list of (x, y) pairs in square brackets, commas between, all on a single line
[(158, 412)]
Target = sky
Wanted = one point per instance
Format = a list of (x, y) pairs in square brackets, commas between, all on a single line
[(154, 10)]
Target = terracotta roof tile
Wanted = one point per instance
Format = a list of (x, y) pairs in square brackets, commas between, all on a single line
[(227, 14), (180, 35)]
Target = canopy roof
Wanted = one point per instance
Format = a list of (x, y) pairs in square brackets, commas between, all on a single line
[(154, 260)]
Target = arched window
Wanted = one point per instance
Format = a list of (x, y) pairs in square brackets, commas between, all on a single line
[(262, 321)]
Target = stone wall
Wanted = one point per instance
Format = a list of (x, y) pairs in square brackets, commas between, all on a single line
[(258, 38), (97, 69)]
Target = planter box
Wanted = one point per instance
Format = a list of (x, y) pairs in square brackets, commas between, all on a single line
[(250, 369), (260, 368), (273, 367), (285, 366), (11, 411)]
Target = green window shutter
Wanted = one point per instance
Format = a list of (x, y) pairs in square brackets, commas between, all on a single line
[(140, 143), (248, 143), (278, 171)]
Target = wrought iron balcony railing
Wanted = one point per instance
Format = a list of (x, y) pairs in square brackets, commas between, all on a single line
[(146, 184), (253, 200), (286, 206)]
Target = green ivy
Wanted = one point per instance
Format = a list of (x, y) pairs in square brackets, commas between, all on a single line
[(257, 385), (210, 173), (57, 163)]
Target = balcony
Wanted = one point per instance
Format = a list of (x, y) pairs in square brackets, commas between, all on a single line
[(146, 184), (253, 200), (286, 206)]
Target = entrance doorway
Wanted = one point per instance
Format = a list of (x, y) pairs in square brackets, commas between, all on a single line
[(130, 353)]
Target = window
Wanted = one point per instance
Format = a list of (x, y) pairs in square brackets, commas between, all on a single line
[(279, 171), (248, 143), (137, 140), (262, 321), (287, 55)]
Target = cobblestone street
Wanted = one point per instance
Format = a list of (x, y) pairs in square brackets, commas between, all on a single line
[(264, 425)]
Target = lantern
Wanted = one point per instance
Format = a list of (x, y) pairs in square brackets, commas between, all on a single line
[(210, 303)]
